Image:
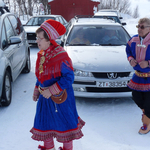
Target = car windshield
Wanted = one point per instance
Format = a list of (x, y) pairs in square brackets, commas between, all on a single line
[(115, 18), (98, 35), (37, 21)]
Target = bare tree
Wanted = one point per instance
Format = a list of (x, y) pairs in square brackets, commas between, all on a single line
[(24, 7), (46, 6), (120, 5), (136, 12), (30, 8)]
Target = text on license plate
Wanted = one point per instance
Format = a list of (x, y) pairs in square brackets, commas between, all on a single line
[(112, 84)]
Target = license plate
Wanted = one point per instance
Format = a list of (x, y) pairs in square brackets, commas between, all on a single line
[(112, 84), (31, 41)]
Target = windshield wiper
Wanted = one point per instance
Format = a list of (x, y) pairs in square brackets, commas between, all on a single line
[(78, 45), (94, 44), (110, 44)]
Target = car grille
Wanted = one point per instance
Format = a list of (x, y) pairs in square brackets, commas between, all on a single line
[(106, 90), (85, 83), (31, 36), (104, 75)]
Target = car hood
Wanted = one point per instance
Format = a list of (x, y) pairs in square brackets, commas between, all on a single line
[(31, 29), (99, 58)]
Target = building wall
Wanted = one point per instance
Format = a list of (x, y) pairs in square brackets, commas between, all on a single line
[(69, 8)]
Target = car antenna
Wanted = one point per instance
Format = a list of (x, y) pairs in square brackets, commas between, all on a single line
[(76, 17)]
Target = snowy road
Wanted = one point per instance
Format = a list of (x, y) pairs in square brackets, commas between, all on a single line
[(111, 124)]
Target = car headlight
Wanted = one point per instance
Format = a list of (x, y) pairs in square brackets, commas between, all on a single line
[(131, 74), (82, 73)]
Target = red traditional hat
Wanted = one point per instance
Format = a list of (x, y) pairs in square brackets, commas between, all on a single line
[(54, 29)]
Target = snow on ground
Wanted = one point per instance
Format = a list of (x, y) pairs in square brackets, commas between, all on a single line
[(111, 124)]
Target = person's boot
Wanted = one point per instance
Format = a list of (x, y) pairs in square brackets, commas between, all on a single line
[(41, 147), (146, 125)]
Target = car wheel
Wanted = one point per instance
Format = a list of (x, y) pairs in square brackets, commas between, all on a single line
[(7, 90), (27, 67)]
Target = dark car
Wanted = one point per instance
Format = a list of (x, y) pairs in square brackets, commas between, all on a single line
[(35, 22)]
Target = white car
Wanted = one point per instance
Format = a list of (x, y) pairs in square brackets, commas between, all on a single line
[(34, 23), (111, 10), (101, 67), (109, 15)]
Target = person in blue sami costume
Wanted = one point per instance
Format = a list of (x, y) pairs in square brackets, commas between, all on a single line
[(54, 72), (138, 53)]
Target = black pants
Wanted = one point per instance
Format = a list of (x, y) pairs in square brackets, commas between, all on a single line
[(142, 99)]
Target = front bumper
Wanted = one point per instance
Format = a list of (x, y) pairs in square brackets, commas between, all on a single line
[(103, 95), (87, 87), (31, 37), (32, 42)]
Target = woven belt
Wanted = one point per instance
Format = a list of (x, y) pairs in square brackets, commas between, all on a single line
[(140, 74)]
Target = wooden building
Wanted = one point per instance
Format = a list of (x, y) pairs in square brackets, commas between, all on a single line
[(69, 8)]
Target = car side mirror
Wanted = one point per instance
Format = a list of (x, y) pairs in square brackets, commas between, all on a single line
[(120, 17), (123, 23), (14, 40)]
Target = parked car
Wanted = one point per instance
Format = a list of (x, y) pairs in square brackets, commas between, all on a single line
[(14, 54), (101, 67), (109, 15), (112, 10), (34, 23)]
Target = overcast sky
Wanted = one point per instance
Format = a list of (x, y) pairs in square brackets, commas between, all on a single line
[(144, 6)]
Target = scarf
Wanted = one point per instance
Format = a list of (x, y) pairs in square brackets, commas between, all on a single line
[(49, 61)]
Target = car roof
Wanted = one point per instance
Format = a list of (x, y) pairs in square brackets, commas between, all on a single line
[(108, 10), (46, 16), (5, 14), (102, 13), (94, 21)]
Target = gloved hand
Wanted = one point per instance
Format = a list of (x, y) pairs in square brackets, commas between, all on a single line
[(36, 94), (46, 93)]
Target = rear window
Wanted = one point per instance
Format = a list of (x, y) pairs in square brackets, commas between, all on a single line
[(115, 18)]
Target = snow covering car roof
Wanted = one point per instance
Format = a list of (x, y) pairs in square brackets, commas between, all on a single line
[(110, 10), (46, 16), (90, 21), (101, 13)]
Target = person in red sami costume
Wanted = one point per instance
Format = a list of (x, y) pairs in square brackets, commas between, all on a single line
[(54, 72)]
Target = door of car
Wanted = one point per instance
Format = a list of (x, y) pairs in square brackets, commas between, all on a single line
[(11, 52), (18, 28)]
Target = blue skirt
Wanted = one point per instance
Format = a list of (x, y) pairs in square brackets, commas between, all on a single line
[(64, 124), (139, 83)]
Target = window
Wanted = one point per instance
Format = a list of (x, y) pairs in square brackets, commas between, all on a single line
[(30, 22), (61, 21), (16, 25), (9, 29), (20, 24), (57, 19), (4, 42), (35, 21), (64, 20)]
